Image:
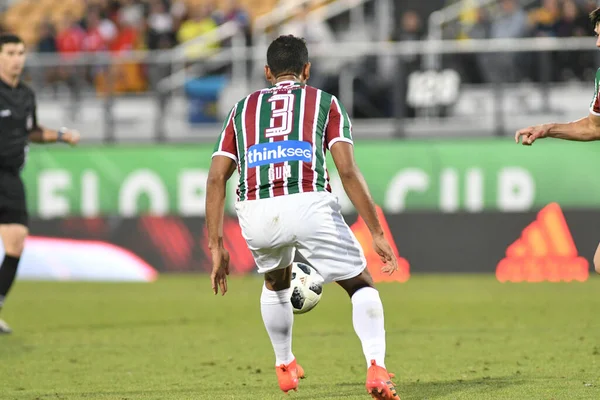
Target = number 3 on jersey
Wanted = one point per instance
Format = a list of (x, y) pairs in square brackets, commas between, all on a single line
[(282, 115)]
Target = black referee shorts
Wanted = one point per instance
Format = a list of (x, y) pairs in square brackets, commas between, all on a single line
[(13, 206)]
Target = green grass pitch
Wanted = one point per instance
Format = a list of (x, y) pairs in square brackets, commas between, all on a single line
[(449, 337)]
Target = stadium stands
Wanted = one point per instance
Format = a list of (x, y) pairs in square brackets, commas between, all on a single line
[(63, 29)]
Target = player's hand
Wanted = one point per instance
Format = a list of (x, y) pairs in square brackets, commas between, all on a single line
[(532, 133), (218, 277), (71, 137), (388, 258)]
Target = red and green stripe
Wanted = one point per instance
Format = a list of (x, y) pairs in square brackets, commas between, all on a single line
[(319, 165), (292, 183), (263, 122), (310, 118)]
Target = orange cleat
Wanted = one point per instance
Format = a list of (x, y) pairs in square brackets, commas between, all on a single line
[(288, 376), (379, 383)]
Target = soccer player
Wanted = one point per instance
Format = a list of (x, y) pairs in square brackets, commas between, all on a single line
[(278, 137), (18, 126), (583, 130)]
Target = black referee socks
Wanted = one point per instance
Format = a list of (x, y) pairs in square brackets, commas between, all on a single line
[(8, 272)]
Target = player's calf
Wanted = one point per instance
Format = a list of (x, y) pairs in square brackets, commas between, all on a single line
[(278, 317), (367, 316), (13, 237)]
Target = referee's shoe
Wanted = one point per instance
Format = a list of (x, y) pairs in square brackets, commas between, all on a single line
[(4, 328)]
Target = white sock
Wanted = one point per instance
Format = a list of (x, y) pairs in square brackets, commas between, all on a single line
[(278, 316), (367, 318)]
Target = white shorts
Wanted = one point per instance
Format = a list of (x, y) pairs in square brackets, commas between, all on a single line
[(308, 222)]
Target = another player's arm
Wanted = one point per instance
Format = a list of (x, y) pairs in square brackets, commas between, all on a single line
[(40, 134), (583, 130)]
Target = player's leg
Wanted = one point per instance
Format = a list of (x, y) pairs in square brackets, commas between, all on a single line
[(278, 317), (597, 259), (13, 238), (273, 254), (368, 322), (367, 316), (277, 313), (13, 231), (333, 250)]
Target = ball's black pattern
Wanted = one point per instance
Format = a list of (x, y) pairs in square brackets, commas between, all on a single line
[(306, 288), (315, 287), (297, 299), (305, 268)]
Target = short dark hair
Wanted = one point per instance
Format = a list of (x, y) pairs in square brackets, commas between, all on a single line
[(595, 17), (9, 38), (287, 55)]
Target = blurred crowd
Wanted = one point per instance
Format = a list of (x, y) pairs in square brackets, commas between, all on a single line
[(123, 25), (510, 19), (545, 18), (110, 25), (497, 19)]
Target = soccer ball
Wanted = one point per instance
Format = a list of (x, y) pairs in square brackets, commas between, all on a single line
[(307, 288)]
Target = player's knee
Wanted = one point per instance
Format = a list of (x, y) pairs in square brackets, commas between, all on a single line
[(360, 281), (279, 279), (14, 237)]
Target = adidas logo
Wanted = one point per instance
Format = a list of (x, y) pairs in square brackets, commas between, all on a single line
[(373, 261), (544, 252), (302, 280)]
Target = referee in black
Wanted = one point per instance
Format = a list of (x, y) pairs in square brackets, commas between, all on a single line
[(18, 127)]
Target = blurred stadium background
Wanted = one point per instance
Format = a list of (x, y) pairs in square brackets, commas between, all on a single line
[(436, 90)]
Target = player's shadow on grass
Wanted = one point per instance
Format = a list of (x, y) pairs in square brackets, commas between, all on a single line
[(477, 387), (124, 325)]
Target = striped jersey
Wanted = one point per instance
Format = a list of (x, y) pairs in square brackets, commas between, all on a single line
[(279, 137), (595, 105)]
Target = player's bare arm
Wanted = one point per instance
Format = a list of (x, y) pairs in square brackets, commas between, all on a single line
[(45, 135), (583, 130), (358, 192), (221, 169)]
